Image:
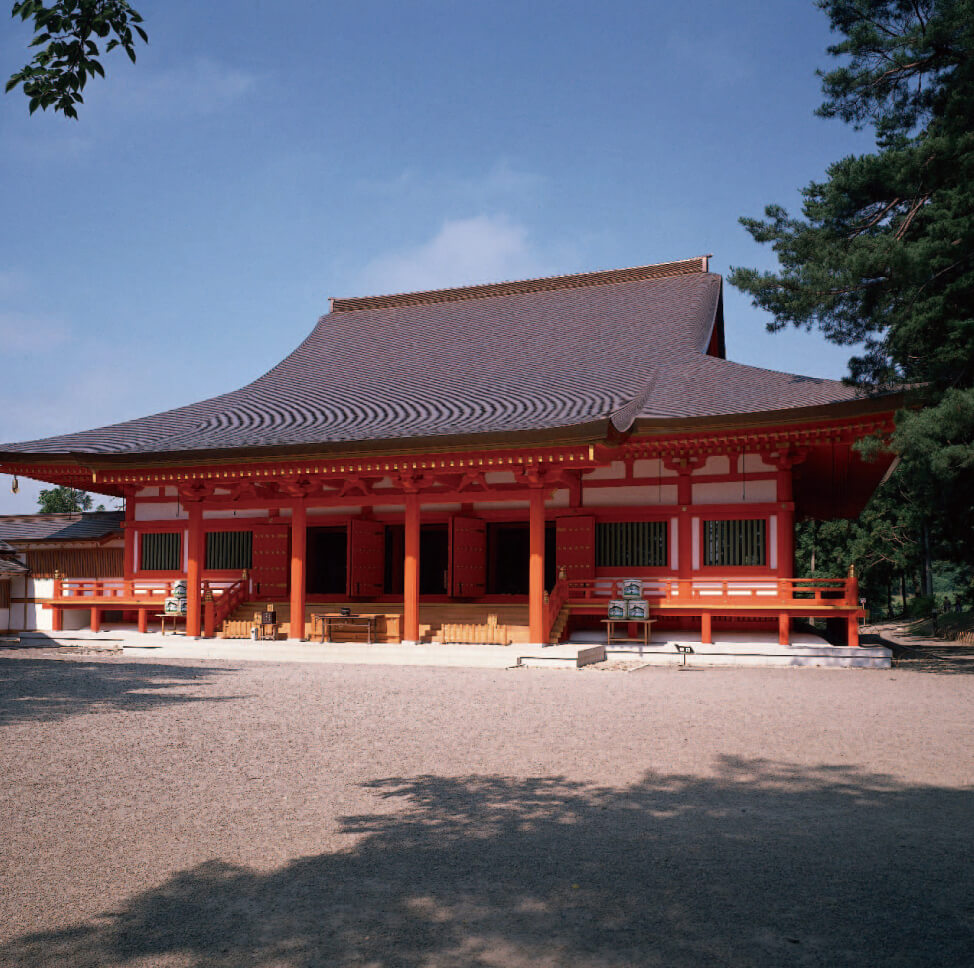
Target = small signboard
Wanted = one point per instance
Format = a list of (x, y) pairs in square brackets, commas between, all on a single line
[(617, 609), (632, 588), (175, 606)]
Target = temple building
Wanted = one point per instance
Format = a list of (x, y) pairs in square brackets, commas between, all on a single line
[(484, 457)]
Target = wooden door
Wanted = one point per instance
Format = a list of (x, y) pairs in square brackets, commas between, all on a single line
[(271, 562), (468, 557), (575, 546), (366, 558)]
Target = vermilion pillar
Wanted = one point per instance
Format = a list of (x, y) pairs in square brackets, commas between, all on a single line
[(786, 524), (410, 618), (194, 569), (299, 554), (684, 490), (536, 605), (128, 533)]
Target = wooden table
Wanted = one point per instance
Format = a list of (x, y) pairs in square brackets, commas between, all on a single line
[(610, 624), (173, 615), (323, 623)]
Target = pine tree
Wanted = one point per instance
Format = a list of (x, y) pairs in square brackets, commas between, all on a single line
[(883, 252)]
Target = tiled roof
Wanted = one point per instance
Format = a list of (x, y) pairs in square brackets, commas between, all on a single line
[(9, 565), (538, 355), (80, 526)]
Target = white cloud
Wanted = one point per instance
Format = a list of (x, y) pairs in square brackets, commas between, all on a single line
[(201, 86), (485, 248)]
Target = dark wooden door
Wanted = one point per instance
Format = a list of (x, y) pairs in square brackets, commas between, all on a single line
[(468, 556), (575, 546), (366, 557), (271, 561)]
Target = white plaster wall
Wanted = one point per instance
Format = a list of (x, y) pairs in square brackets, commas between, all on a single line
[(170, 491), (250, 513), (322, 512), (754, 462), (440, 507), (735, 492), (163, 511), (651, 468), (385, 483), (488, 505), (695, 553), (4, 619), (147, 492), (560, 499), (713, 465), (674, 544), (389, 508), (629, 496), (773, 541), (499, 477), (614, 472)]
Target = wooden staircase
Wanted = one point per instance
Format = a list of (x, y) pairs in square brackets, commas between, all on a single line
[(557, 630), (471, 621)]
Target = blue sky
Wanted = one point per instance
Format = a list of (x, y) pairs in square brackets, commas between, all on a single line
[(187, 232)]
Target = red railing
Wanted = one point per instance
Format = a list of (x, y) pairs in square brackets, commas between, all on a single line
[(109, 588), (556, 602), (217, 609), (675, 592)]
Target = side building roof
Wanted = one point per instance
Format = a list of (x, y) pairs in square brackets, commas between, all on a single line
[(538, 355), (76, 526)]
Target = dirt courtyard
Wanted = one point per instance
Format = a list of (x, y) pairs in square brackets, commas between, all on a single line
[(275, 815)]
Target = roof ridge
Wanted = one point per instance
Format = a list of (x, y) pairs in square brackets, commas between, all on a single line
[(579, 280)]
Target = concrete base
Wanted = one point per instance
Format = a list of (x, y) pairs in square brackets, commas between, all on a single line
[(729, 649), (744, 649)]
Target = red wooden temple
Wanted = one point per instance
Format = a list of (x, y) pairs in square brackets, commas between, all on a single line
[(509, 450)]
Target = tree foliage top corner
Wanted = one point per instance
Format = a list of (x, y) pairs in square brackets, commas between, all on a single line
[(71, 37)]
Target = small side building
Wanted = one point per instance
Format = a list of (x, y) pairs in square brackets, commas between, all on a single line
[(38, 550)]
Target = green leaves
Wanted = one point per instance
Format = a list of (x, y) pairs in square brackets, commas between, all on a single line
[(64, 30), (882, 253), (63, 500)]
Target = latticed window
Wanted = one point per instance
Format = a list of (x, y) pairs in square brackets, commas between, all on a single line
[(229, 550), (631, 544), (161, 551), (734, 544)]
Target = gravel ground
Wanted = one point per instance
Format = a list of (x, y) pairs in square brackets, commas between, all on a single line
[(277, 815)]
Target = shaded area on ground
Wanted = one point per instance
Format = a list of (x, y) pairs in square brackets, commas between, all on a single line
[(760, 864), (919, 652), (39, 690)]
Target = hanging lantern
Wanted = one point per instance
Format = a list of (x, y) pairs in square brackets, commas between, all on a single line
[(15, 485)]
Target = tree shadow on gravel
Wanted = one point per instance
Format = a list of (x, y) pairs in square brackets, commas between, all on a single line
[(759, 865), (45, 690), (919, 654)]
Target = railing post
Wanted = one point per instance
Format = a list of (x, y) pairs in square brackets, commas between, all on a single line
[(58, 586)]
